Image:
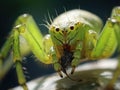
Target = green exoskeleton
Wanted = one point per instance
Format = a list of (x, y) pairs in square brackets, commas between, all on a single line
[(74, 36)]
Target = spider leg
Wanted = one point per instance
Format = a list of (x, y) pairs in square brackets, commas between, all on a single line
[(25, 31), (5, 65), (115, 22)]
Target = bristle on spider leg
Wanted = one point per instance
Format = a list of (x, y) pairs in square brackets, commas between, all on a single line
[(26, 73)]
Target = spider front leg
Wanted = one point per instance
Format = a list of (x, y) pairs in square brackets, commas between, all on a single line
[(25, 29), (18, 59), (5, 65), (108, 42), (115, 22), (13, 41)]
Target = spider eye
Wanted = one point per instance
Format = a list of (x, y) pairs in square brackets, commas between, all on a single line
[(57, 29), (71, 27)]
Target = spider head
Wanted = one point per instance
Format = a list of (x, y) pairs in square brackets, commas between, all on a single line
[(64, 33)]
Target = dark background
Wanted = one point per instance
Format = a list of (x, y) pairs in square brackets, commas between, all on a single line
[(11, 9)]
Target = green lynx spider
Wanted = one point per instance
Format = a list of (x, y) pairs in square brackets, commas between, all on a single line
[(73, 36)]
